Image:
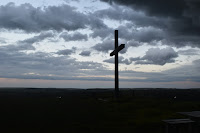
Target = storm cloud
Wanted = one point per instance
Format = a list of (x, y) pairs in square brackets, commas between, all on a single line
[(108, 45), (179, 19), (171, 8), (66, 51), (30, 19), (121, 60), (27, 44), (40, 65), (74, 37), (85, 53), (102, 33), (105, 46), (157, 56), (189, 52), (42, 36)]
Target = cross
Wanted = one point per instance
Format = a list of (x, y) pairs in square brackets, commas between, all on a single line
[(115, 52)]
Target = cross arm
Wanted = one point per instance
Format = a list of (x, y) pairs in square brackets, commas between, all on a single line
[(117, 49)]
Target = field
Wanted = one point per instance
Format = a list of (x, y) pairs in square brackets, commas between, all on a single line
[(32, 110)]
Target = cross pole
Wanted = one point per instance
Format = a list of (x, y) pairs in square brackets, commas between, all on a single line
[(115, 52)]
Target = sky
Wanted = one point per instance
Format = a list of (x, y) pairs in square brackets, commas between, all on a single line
[(67, 43)]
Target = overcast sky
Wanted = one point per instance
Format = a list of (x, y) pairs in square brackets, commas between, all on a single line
[(67, 43)]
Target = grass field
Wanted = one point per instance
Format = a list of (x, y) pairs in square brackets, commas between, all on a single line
[(86, 111)]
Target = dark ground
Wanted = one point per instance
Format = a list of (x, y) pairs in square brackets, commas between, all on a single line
[(92, 111)]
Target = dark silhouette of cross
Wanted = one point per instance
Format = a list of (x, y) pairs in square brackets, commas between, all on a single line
[(115, 52)]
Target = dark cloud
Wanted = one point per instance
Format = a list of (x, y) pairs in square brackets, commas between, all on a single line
[(121, 60), (41, 65), (108, 45), (30, 19), (89, 65), (148, 34), (176, 22), (35, 39), (102, 33), (145, 34), (27, 44), (185, 72), (133, 43), (140, 28), (66, 51), (137, 18), (182, 40), (182, 73), (189, 52), (157, 56), (85, 53), (17, 47), (74, 37), (95, 22), (169, 8), (105, 46)]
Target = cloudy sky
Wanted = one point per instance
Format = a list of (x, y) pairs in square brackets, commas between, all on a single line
[(67, 43)]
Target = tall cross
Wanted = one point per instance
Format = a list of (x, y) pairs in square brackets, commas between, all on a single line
[(115, 52)]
